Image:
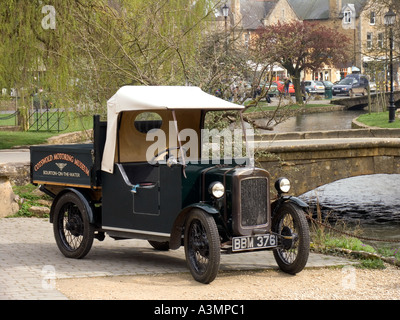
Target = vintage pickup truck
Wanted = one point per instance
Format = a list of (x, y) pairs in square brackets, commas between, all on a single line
[(138, 180)]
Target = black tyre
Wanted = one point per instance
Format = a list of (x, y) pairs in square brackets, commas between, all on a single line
[(202, 246), (72, 230), (160, 246), (292, 252)]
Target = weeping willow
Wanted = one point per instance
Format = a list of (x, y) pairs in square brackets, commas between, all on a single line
[(84, 50)]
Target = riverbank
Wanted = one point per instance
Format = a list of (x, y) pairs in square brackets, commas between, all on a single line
[(377, 120)]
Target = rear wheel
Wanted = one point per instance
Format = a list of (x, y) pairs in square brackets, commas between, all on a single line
[(202, 246), (291, 225), (72, 230)]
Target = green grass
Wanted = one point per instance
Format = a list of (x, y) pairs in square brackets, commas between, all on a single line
[(9, 139), (28, 198), (379, 119)]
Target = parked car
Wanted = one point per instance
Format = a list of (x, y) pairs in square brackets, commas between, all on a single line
[(314, 87), (271, 88), (372, 87), (327, 84), (351, 85), (281, 87)]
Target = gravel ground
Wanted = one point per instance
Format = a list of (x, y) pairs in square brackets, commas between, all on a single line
[(346, 283)]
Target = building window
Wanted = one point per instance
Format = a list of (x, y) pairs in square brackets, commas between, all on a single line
[(372, 18), (380, 40), (369, 40), (246, 40), (347, 17)]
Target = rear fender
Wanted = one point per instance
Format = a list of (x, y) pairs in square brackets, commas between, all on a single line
[(177, 229), (83, 199)]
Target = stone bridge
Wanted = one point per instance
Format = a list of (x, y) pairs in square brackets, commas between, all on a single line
[(313, 159), (360, 102)]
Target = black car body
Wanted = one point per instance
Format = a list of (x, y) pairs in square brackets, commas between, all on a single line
[(175, 198)]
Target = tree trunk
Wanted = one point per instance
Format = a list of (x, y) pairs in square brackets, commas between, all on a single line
[(297, 87)]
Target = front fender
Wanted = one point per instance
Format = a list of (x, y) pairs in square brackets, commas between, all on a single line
[(177, 229), (277, 203), (203, 206)]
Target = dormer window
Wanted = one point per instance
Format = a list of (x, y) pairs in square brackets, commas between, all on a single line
[(347, 16)]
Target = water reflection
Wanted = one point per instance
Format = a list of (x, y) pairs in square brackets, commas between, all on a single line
[(372, 201), (337, 120)]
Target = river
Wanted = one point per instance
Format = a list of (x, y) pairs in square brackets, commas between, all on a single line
[(372, 201), (335, 120)]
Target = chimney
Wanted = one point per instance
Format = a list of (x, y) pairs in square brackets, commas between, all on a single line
[(235, 11), (335, 7)]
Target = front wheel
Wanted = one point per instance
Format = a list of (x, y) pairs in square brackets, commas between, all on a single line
[(72, 230), (293, 232), (202, 246)]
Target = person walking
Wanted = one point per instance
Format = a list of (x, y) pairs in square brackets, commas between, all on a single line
[(287, 84)]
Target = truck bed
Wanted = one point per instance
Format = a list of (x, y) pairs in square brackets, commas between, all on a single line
[(66, 165), (75, 165)]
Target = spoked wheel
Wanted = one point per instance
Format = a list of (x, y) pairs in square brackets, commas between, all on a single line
[(291, 225), (72, 230), (202, 246)]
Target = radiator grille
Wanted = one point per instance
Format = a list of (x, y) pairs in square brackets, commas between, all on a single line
[(254, 204)]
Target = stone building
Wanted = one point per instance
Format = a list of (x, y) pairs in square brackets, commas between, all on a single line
[(360, 20)]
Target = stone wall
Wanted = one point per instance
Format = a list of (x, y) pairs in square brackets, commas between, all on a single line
[(8, 203), (71, 137)]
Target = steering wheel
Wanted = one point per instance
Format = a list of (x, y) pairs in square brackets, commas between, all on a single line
[(154, 160)]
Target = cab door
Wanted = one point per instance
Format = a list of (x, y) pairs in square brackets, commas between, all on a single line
[(156, 206)]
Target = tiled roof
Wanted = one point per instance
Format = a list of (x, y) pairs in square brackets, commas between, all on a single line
[(253, 12), (319, 9)]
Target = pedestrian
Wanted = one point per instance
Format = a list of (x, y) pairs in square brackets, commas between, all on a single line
[(287, 84)]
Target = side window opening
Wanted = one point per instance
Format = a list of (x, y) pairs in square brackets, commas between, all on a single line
[(146, 121)]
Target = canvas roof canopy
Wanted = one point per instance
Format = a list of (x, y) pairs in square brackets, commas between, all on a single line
[(152, 98)]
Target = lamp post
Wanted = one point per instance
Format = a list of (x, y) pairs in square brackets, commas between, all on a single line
[(390, 20), (225, 13)]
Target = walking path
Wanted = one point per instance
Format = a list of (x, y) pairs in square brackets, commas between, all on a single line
[(14, 156), (30, 262)]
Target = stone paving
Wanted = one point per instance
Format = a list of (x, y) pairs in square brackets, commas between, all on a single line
[(30, 262)]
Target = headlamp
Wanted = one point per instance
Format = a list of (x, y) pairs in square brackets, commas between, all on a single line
[(282, 185), (216, 189)]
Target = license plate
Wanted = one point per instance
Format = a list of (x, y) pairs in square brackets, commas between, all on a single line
[(261, 241), (336, 90)]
